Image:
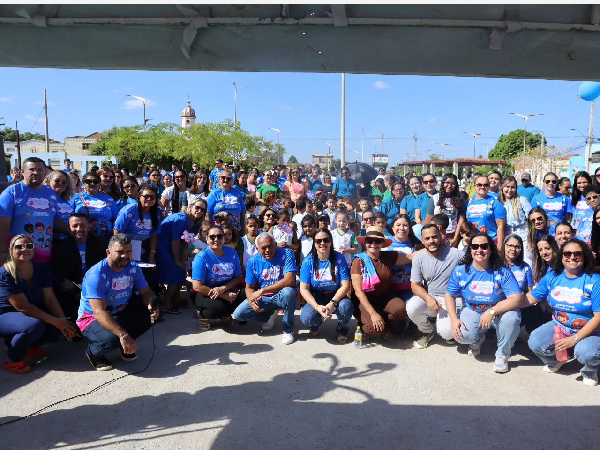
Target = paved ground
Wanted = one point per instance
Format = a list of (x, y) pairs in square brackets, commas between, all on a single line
[(242, 390)]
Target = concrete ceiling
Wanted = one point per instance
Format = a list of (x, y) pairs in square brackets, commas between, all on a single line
[(517, 41)]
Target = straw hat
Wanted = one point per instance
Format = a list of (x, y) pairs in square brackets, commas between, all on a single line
[(374, 232)]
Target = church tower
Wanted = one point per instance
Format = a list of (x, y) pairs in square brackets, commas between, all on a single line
[(188, 116)]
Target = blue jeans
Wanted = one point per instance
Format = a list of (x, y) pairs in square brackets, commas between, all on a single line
[(134, 319), (284, 299), (587, 351), (507, 326), (311, 318), (21, 332)]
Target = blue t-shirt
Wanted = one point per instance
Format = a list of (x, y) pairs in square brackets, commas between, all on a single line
[(423, 203), (401, 274), (214, 177), (216, 270), (63, 210), (101, 282), (314, 185), (573, 300), (231, 201), (281, 181), (410, 204), (555, 207), (482, 289), (320, 279), (493, 194), (103, 210), (528, 192), (262, 272), (390, 208), (81, 248), (128, 222), (171, 229), (523, 275), (32, 212), (484, 212), (42, 278), (343, 187), (583, 215)]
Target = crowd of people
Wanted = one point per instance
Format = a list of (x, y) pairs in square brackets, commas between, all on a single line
[(102, 255)]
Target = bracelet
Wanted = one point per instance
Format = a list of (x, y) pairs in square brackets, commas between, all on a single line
[(124, 336), (153, 251)]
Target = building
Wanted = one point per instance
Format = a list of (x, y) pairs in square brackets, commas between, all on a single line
[(322, 159), (188, 116)]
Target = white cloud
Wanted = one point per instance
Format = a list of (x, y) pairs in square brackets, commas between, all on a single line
[(39, 103), (432, 120), (286, 108), (30, 117), (8, 99), (137, 104), (381, 85)]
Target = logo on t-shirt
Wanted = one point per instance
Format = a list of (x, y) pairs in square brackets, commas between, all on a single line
[(223, 269), (38, 203), (95, 203), (567, 295), (477, 208), (271, 274), (230, 200), (552, 206), (121, 283), (482, 287), (64, 208), (145, 224), (323, 275)]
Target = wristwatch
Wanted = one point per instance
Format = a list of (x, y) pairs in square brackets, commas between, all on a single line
[(575, 338), (492, 312)]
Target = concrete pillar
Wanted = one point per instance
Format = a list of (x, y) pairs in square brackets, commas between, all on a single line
[(500, 168), (455, 169), (424, 168), (432, 168)]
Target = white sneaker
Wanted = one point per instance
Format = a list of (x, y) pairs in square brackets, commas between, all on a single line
[(591, 381), (554, 368), (475, 350), (423, 341), (501, 365), (271, 322), (287, 338)]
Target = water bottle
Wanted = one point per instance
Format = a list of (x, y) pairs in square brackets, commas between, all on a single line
[(561, 355), (358, 338)]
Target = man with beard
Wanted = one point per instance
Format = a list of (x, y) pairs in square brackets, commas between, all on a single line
[(108, 314), (431, 271)]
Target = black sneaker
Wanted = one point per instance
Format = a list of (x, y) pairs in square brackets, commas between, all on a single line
[(126, 357), (98, 362)]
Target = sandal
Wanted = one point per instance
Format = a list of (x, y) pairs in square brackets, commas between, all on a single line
[(229, 321), (173, 310), (342, 338), (18, 368), (388, 336), (313, 333), (204, 324), (37, 353)]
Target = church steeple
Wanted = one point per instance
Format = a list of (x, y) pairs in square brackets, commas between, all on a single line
[(188, 116)]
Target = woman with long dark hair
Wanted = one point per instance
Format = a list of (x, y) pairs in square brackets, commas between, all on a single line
[(130, 192), (573, 293), (172, 197), (324, 283), (229, 200), (552, 201), (154, 182), (62, 185), (517, 207), (100, 208), (199, 188), (491, 295), (108, 185), (595, 244), (448, 201), (486, 212), (581, 210), (538, 225), (544, 257), (596, 180), (403, 241)]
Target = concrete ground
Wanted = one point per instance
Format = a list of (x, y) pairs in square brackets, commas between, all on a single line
[(238, 389)]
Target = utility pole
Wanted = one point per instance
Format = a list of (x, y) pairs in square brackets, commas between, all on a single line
[(362, 145), (46, 111), (18, 146), (343, 149), (415, 138), (382, 142), (588, 153)]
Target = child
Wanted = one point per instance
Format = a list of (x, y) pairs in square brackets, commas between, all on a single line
[(341, 205), (318, 207), (467, 231), (231, 239), (287, 203), (442, 221), (270, 198), (323, 221), (377, 199), (222, 218), (381, 222), (349, 204), (283, 233), (309, 229), (363, 205), (310, 208), (250, 201), (331, 211), (249, 240), (344, 240), (300, 213)]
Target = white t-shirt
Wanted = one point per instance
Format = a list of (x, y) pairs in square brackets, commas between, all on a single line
[(343, 242), (249, 250), (297, 219), (168, 194), (283, 233)]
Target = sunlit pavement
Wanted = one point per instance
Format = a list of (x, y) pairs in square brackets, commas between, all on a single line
[(240, 389)]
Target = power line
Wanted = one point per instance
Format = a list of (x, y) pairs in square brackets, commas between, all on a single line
[(38, 118)]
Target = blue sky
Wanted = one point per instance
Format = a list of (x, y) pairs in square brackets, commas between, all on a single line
[(305, 107)]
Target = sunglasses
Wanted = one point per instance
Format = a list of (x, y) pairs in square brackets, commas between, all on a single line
[(567, 255), (323, 241), (148, 197), (129, 186), (550, 181), (480, 246), (28, 246), (345, 173), (428, 181), (91, 181), (537, 219), (108, 177), (64, 183), (269, 215), (226, 178), (373, 240), (368, 219), (481, 185), (180, 177), (218, 237), (592, 197)]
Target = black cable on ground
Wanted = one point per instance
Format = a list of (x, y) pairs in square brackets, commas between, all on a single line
[(52, 405)]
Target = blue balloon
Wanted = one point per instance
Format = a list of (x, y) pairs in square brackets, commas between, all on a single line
[(589, 90)]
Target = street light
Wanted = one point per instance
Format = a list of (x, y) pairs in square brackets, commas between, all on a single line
[(143, 100), (526, 118), (362, 144), (278, 135), (328, 153), (235, 88), (475, 136), (357, 154)]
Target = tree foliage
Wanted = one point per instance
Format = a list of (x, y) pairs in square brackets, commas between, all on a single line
[(8, 134), (203, 143), (510, 146), (293, 160)]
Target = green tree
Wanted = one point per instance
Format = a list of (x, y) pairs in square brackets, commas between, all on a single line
[(8, 134), (510, 146), (293, 160), (434, 157)]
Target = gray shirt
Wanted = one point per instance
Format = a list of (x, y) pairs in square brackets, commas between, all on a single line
[(435, 272)]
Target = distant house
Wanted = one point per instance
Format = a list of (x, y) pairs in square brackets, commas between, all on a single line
[(322, 159)]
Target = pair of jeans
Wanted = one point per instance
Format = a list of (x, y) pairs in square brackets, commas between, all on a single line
[(209, 308), (419, 313), (587, 351), (284, 299), (507, 326), (21, 332), (311, 318), (134, 319)]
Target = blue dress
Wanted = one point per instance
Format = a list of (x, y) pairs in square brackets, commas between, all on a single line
[(171, 229)]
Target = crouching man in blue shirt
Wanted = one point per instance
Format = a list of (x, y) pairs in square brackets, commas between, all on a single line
[(108, 315), (270, 286)]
